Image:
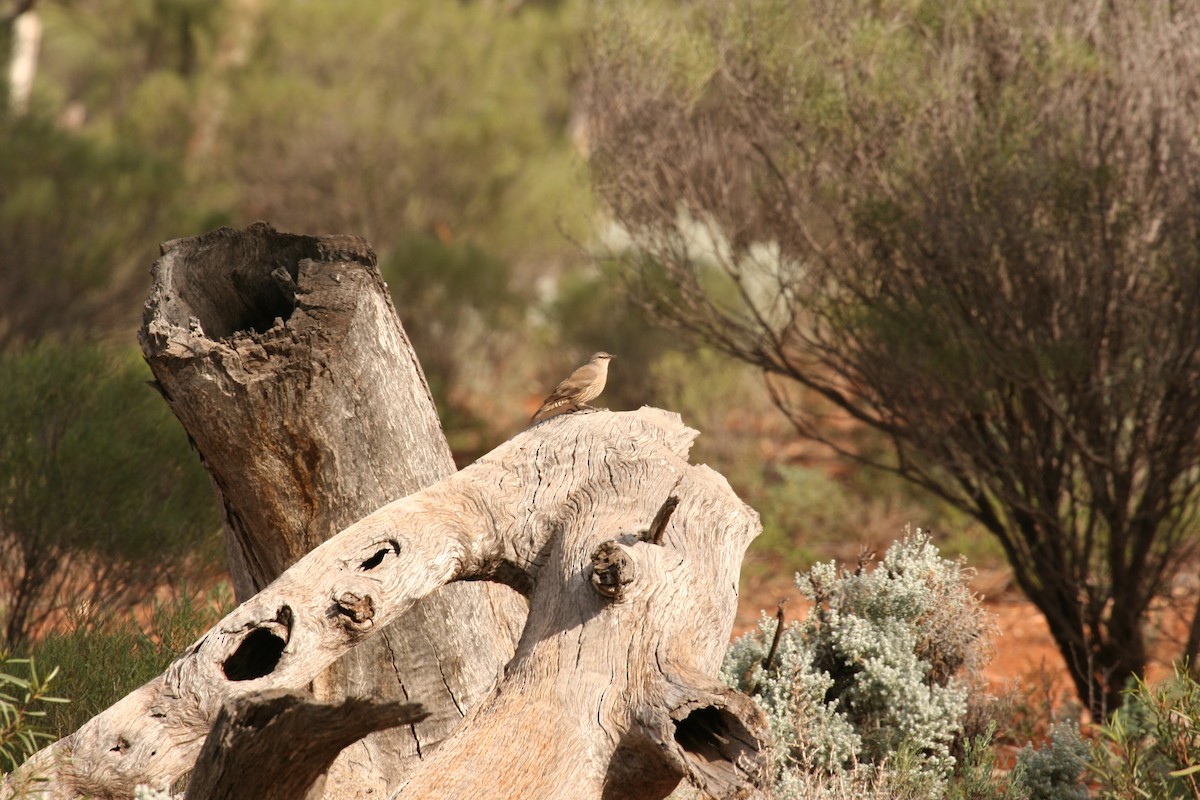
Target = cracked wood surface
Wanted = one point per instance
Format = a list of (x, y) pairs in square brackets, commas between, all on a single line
[(612, 692)]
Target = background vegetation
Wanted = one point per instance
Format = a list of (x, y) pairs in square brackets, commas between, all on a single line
[(969, 227), (465, 141)]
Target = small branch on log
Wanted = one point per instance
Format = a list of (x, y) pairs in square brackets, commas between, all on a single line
[(654, 534), (277, 745), (769, 660)]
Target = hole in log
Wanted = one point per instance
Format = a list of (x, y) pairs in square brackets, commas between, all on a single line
[(380, 554), (716, 742), (374, 561), (256, 656), (238, 281)]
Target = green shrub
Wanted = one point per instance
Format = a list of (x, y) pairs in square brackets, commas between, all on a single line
[(1151, 746), (102, 657), (1050, 772), (101, 498), (23, 702), (877, 672), (867, 697)]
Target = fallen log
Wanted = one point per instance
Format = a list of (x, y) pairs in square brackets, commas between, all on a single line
[(629, 557)]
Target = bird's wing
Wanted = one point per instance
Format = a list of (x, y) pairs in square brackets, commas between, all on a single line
[(574, 383), (569, 388)]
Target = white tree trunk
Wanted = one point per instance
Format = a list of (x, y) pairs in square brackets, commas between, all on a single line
[(22, 64)]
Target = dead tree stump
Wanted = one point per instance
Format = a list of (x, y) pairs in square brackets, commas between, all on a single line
[(612, 694), (284, 359)]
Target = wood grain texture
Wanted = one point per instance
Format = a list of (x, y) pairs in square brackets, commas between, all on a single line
[(612, 693), (603, 699)]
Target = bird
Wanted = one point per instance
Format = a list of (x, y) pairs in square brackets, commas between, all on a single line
[(582, 385)]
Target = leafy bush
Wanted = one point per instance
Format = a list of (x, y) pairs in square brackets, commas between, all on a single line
[(1050, 772), (867, 697), (879, 668), (100, 496)]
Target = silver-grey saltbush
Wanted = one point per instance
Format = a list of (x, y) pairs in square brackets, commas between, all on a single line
[(877, 671)]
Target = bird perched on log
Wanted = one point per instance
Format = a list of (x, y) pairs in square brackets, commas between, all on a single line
[(582, 385)]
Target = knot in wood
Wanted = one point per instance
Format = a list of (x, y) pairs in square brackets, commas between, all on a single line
[(357, 611), (612, 570)]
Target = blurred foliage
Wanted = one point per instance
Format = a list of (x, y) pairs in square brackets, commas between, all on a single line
[(79, 221), (811, 505), (160, 118), (447, 134), (591, 311), (103, 655), (100, 495), (464, 316), (382, 119)]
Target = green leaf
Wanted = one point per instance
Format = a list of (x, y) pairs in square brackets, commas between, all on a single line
[(1179, 773)]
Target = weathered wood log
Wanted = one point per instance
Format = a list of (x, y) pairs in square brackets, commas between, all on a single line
[(278, 745), (607, 697), (284, 359)]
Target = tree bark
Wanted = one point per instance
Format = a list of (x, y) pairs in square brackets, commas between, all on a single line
[(285, 361), (611, 693)]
